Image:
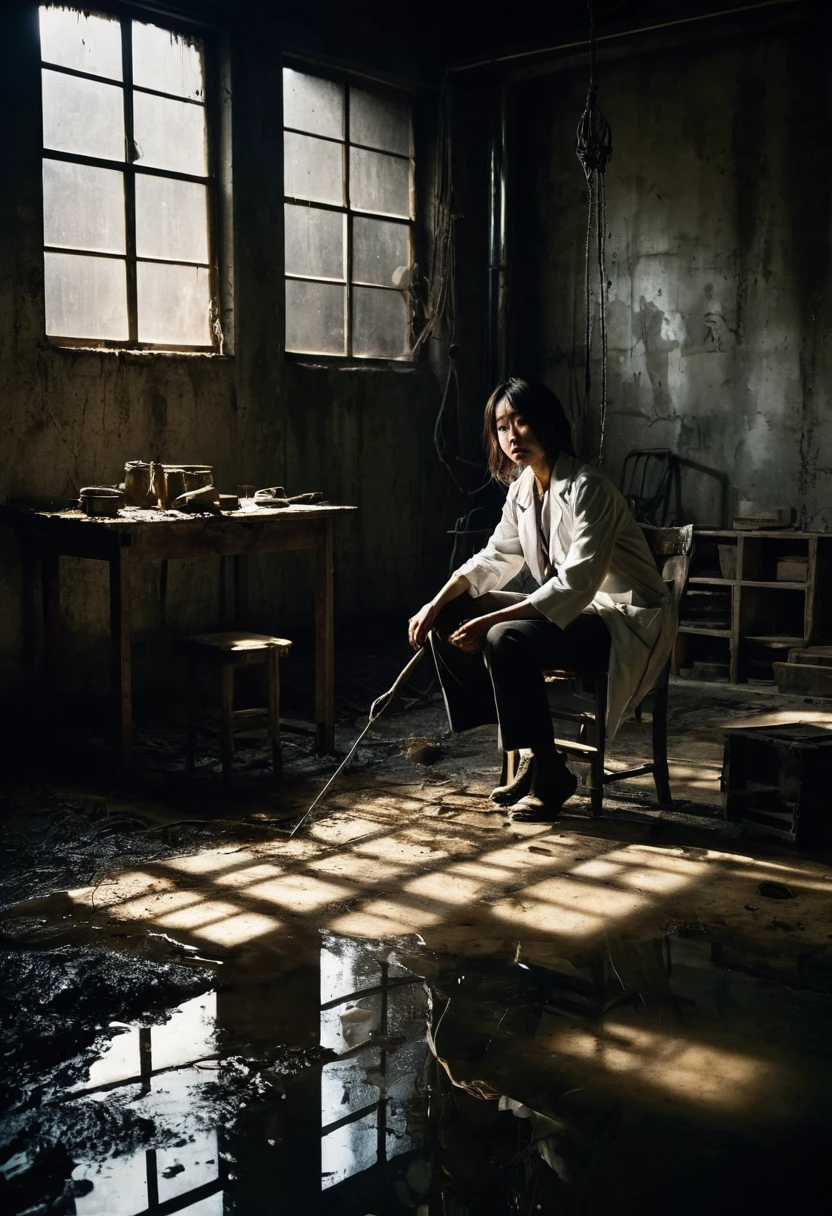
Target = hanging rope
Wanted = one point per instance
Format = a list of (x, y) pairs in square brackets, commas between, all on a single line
[(594, 149)]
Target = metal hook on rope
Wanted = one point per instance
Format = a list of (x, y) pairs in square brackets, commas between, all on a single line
[(594, 149)]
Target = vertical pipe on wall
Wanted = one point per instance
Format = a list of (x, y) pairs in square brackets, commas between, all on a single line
[(498, 254)]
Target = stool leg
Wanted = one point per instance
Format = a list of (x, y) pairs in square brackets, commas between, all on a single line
[(596, 790), (274, 710), (226, 723), (661, 772), (191, 762)]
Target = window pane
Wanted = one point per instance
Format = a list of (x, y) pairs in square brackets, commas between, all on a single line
[(380, 252), (85, 297), (346, 1087), (171, 219), (314, 242), (379, 323), (349, 1150), (169, 134), (379, 183), (314, 105), (167, 62), (186, 1167), (83, 207), (315, 318), (379, 123), (84, 41), (174, 303), (313, 169), (83, 116)]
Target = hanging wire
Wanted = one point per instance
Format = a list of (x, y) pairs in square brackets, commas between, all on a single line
[(594, 149), (440, 305)]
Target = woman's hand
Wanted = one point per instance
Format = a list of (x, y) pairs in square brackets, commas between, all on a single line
[(420, 625), (470, 636)]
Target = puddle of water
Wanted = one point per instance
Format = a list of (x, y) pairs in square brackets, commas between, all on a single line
[(327, 1074)]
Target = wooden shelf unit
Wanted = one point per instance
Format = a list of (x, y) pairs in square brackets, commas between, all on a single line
[(766, 615)]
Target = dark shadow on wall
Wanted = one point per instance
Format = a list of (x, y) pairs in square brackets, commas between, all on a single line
[(723, 489)]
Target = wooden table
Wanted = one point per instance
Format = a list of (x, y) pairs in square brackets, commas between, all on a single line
[(136, 538)]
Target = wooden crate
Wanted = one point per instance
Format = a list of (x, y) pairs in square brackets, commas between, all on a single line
[(777, 780), (803, 679), (792, 569)]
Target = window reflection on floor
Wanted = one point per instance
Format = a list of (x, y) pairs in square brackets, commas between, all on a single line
[(373, 1096), (161, 1061), (373, 1099)]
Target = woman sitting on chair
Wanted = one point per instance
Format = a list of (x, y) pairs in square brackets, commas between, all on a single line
[(600, 606)]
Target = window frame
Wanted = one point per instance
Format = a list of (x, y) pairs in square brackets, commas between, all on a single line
[(125, 16), (384, 89)]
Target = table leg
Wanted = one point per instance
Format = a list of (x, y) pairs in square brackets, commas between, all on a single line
[(28, 569), (240, 590), (121, 673), (273, 674), (51, 592), (324, 642), (227, 723), (191, 702), (222, 614)]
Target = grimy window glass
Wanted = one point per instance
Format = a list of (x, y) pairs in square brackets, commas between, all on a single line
[(127, 184), (348, 215)]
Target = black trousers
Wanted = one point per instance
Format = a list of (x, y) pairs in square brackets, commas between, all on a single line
[(505, 683)]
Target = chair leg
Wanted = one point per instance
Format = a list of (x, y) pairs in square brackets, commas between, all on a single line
[(226, 723), (191, 707), (661, 773), (596, 789), (273, 673)]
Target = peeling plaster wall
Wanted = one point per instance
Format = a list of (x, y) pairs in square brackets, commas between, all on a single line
[(718, 222), (72, 418)]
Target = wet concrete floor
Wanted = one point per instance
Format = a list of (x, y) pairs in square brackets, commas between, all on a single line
[(322, 1073), (416, 1005)]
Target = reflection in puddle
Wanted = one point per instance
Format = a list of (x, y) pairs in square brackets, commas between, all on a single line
[(163, 1061), (343, 1076), (373, 1017)]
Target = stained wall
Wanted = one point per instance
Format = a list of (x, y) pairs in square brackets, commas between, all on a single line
[(718, 268), (72, 418)]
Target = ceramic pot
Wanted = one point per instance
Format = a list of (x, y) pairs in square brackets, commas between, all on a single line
[(174, 483), (197, 476), (137, 489)]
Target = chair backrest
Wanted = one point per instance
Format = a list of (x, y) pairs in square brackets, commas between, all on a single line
[(672, 549), (650, 478)]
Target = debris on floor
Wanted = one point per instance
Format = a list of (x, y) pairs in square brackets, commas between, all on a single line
[(415, 1006)]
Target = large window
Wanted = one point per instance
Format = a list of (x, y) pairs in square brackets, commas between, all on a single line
[(126, 184), (348, 179)]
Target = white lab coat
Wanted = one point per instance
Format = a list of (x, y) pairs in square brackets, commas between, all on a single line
[(602, 564)]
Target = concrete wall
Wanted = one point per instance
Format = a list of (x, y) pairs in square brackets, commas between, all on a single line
[(718, 225), (71, 418)]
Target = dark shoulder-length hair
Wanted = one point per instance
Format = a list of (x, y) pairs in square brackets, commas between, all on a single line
[(540, 408)]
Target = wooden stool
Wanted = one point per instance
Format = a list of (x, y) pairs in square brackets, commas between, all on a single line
[(228, 651)]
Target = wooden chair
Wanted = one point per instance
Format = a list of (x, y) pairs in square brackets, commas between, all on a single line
[(226, 652), (672, 549)]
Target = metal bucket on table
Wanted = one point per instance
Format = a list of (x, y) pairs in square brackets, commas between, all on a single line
[(100, 500)]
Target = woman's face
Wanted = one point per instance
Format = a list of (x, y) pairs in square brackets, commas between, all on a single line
[(516, 437)]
